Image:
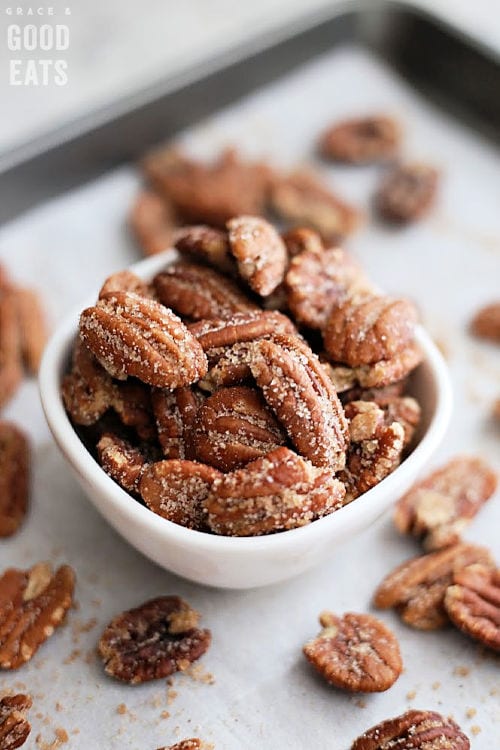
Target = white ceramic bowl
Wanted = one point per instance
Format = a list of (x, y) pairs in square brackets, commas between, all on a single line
[(232, 562)]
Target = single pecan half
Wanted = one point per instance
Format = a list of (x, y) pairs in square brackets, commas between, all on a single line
[(87, 390), (355, 652), (32, 604), (175, 489), (193, 743), (131, 335), (316, 282), (381, 396), (218, 334), (362, 332), (405, 410), (206, 244), (11, 371), (14, 478), (302, 239), (473, 603), (124, 462), (175, 414), (14, 727), (32, 327), (417, 587), (438, 508), (302, 197), (276, 492), (198, 292), (125, 281), (260, 252), (407, 193), (152, 641), (152, 221), (132, 403), (486, 323), (414, 730), (233, 427), (378, 375), (361, 140)]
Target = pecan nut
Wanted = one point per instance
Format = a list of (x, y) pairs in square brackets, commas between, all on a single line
[(175, 413), (378, 375), (437, 509), (87, 390), (361, 140), (414, 730), (14, 727), (406, 411), (208, 245), (355, 652), (14, 478), (486, 322), (32, 604), (125, 281), (416, 589), (176, 489), (407, 193), (362, 332), (198, 292), (260, 252), (193, 743), (11, 371), (473, 604), (276, 492), (233, 427), (32, 327), (131, 335), (124, 462), (152, 641), (152, 222), (302, 239), (218, 334)]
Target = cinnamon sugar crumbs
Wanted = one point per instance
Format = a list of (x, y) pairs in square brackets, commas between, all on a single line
[(61, 737), (59, 706), (411, 695), (171, 696), (73, 656), (121, 709), (461, 671), (165, 715), (199, 674), (360, 703), (475, 730), (470, 713), (436, 685)]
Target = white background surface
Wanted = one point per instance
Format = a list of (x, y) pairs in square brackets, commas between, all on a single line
[(265, 695)]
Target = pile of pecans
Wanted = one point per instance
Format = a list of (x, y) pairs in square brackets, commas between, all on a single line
[(216, 411)]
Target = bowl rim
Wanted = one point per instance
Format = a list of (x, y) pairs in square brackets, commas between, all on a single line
[(122, 502)]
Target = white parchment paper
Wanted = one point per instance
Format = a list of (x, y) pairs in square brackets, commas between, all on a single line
[(265, 695)]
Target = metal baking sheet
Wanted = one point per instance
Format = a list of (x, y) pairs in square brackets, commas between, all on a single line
[(264, 693)]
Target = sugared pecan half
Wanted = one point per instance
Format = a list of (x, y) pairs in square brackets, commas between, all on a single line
[(208, 245), (473, 604), (11, 371), (316, 282), (405, 410), (175, 489), (414, 730), (152, 222), (355, 652), (407, 193), (378, 375), (14, 478), (260, 252), (304, 198), (125, 281), (361, 140), (302, 239), (124, 462), (131, 335), (437, 509), (191, 744), (366, 331), (32, 604), (486, 323), (276, 492), (233, 427), (417, 587), (132, 403), (381, 396), (218, 334), (152, 641), (175, 414), (87, 390), (198, 292), (32, 327), (14, 727)]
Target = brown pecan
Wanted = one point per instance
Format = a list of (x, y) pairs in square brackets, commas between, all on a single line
[(208, 245), (11, 372), (233, 427), (355, 652), (218, 334), (87, 390), (381, 396), (366, 331), (132, 402), (437, 509), (211, 193), (152, 222), (297, 389), (361, 140), (260, 252), (374, 451), (407, 193), (14, 478), (304, 198), (191, 744), (473, 604), (198, 292), (175, 489), (414, 730), (486, 322), (495, 412), (405, 410), (417, 587), (175, 414), (32, 327), (302, 239), (131, 335), (276, 492), (14, 727), (378, 375), (318, 282), (125, 281), (124, 462), (32, 604), (152, 641)]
